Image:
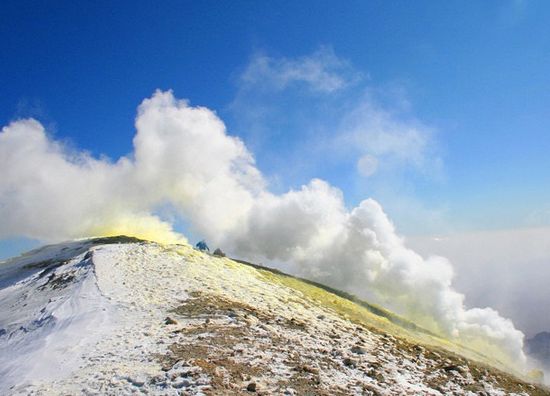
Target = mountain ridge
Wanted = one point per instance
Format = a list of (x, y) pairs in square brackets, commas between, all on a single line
[(173, 320)]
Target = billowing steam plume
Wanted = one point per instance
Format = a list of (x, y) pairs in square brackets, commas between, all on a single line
[(184, 159)]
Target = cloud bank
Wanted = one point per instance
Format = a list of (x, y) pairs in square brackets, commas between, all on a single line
[(183, 158), (513, 264)]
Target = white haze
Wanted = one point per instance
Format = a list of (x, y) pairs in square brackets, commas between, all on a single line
[(184, 158), (505, 269)]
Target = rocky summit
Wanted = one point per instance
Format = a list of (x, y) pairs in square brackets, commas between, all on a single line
[(121, 316)]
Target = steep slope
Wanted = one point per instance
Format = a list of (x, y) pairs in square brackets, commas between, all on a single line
[(104, 317)]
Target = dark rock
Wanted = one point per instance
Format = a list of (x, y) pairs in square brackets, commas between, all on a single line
[(358, 350), (251, 387), (218, 252), (349, 362), (170, 321), (454, 367)]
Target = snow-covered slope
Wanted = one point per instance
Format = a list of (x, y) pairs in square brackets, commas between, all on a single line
[(120, 316)]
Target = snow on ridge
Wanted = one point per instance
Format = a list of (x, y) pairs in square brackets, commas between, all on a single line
[(92, 317), (51, 310)]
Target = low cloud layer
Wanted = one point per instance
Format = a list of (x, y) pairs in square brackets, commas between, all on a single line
[(184, 159), (505, 269)]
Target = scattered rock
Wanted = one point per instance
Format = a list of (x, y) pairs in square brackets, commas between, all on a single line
[(157, 379), (309, 369), (251, 387), (183, 383), (349, 362), (372, 390), (454, 367), (358, 350), (136, 381)]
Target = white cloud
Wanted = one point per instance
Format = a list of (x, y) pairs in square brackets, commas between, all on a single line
[(184, 157), (373, 131), (321, 71), (344, 121)]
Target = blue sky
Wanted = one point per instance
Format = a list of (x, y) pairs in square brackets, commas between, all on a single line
[(469, 78)]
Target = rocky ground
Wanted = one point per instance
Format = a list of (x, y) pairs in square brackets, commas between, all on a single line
[(175, 321)]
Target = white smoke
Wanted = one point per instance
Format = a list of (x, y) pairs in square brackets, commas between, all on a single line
[(183, 157)]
